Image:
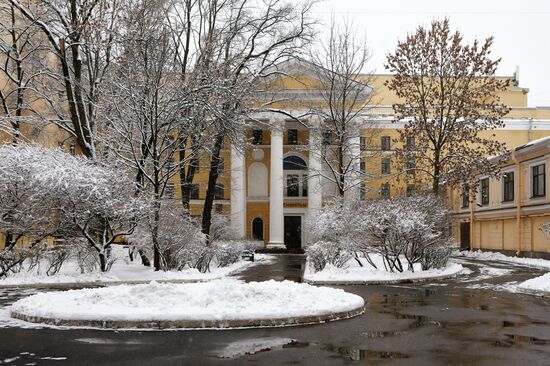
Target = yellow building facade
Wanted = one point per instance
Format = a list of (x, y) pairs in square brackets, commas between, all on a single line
[(269, 192), (507, 212)]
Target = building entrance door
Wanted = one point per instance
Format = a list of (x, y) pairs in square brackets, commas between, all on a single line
[(464, 236), (293, 233)]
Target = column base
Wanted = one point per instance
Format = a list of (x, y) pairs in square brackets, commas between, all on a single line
[(276, 245)]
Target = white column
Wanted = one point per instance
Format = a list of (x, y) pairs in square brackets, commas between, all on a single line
[(353, 185), (238, 187), (276, 184), (314, 187)]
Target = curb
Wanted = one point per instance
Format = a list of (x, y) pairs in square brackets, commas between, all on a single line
[(382, 282), (192, 324)]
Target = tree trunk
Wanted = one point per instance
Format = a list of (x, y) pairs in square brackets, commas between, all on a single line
[(211, 191), (437, 172), (102, 262)]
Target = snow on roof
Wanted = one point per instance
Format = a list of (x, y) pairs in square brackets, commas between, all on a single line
[(540, 141)]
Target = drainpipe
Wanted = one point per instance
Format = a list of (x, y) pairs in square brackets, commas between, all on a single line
[(518, 201)]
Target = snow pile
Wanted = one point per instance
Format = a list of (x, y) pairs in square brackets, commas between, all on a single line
[(352, 272), (538, 284), (124, 270), (495, 256), (218, 300)]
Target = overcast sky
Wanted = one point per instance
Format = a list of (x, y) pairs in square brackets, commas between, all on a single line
[(521, 30)]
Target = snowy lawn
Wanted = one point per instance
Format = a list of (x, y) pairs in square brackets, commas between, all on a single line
[(123, 270), (495, 256), (219, 303), (538, 284), (353, 273)]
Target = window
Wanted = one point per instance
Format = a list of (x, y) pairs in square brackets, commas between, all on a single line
[(385, 143), (194, 192), (538, 179), (363, 143), (292, 136), (292, 185), (257, 137), (219, 194), (72, 149), (169, 190), (363, 191), (385, 190), (219, 208), (386, 164), (362, 167), (484, 183), (304, 185), (410, 143), (258, 229), (465, 196), (508, 187), (327, 137), (410, 189), (411, 166)]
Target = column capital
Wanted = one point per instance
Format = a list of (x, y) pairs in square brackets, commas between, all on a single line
[(277, 126)]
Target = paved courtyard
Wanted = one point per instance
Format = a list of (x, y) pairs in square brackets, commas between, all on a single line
[(464, 321)]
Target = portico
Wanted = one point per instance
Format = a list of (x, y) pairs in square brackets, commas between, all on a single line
[(281, 175)]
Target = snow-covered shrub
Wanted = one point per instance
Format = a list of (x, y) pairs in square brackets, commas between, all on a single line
[(27, 208), (54, 194), (228, 253), (316, 257), (221, 229), (413, 228), (339, 231), (328, 252), (437, 256), (404, 231), (180, 240)]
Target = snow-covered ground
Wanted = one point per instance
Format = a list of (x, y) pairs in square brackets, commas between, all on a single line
[(495, 256), (537, 284), (353, 273), (218, 300), (124, 270)]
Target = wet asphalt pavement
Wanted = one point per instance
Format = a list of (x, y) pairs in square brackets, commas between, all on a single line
[(469, 320)]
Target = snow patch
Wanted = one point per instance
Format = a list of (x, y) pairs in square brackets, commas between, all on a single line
[(541, 284), (495, 256), (124, 270), (252, 346), (352, 272), (220, 300)]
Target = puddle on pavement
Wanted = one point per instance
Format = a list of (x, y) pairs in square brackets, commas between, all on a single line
[(255, 346)]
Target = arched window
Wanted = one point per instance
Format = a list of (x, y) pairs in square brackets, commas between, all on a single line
[(294, 162), (258, 229), (295, 177)]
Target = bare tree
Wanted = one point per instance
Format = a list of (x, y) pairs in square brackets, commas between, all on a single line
[(148, 105), (449, 95), (341, 66), (21, 70), (80, 35), (245, 39)]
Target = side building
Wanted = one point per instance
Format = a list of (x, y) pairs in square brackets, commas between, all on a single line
[(506, 213)]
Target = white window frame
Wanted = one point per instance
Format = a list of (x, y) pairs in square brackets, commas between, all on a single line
[(541, 161), (502, 173)]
